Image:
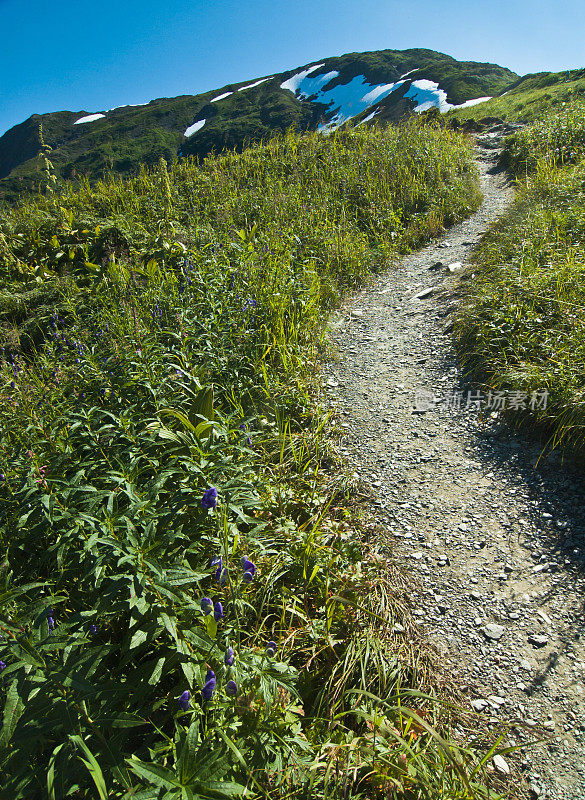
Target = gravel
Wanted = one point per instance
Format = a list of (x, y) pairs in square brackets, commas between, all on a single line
[(493, 533)]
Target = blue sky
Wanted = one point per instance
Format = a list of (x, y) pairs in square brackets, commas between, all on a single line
[(88, 56)]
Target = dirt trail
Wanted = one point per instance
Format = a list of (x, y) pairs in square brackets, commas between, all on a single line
[(495, 537)]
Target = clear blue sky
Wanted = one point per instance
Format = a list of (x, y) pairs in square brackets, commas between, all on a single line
[(90, 56)]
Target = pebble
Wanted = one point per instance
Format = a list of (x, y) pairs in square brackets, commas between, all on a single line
[(493, 631), (501, 764), (538, 639)]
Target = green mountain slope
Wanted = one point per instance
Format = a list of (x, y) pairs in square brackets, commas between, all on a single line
[(529, 97), (126, 137)]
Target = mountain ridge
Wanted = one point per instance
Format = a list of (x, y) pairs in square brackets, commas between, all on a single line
[(90, 142)]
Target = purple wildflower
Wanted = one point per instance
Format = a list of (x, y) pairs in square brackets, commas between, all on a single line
[(2, 666), (217, 611), (249, 569), (209, 688), (220, 572), (185, 700), (229, 656), (271, 649), (231, 689), (209, 499), (206, 605), (247, 565), (93, 629)]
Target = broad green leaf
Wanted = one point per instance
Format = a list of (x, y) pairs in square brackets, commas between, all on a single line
[(187, 762), (211, 625), (13, 710), (154, 773)]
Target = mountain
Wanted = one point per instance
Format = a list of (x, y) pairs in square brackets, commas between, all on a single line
[(324, 94)]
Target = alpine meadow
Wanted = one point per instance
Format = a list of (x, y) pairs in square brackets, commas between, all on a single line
[(191, 602)]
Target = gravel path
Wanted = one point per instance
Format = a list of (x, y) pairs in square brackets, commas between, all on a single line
[(494, 536)]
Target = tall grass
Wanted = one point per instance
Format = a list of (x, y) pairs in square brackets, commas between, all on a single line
[(521, 326), (557, 137), (160, 339)]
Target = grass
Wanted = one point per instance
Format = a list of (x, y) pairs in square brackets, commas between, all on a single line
[(161, 337), (558, 138), (521, 325), (529, 98)]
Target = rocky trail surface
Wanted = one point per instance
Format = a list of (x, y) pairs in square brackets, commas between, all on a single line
[(494, 534)]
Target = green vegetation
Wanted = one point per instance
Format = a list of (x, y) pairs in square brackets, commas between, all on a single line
[(528, 98), (522, 325), (557, 138), (160, 341), (130, 136)]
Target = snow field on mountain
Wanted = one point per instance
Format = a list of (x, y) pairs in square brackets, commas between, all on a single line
[(88, 118), (347, 100), (251, 85), (196, 126), (220, 97)]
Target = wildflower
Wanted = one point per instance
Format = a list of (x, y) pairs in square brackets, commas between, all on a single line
[(229, 656), (206, 605), (231, 688), (209, 499), (93, 629), (50, 620), (217, 611), (271, 649), (209, 688), (220, 572), (249, 569), (244, 428), (185, 700)]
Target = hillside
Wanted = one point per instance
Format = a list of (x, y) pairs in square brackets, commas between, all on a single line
[(325, 93), (226, 560), (529, 97), (189, 603)]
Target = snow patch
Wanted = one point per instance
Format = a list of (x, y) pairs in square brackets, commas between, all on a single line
[(128, 105), (220, 97), (474, 102), (380, 91), (369, 117), (428, 95), (88, 118), (196, 126), (293, 83), (410, 71), (251, 85), (346, 100)]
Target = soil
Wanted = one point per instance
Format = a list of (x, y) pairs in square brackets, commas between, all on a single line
[(493, 533)]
